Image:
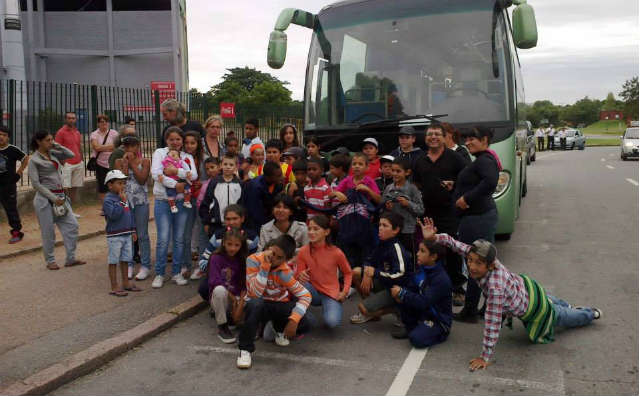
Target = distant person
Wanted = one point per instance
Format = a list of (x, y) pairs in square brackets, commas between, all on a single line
[(452, 141), (550, 136), (130, 121), (102, 144), (222, 191), (175, 113), (50, 202), (289, 137), (540, 137), (9, 177), (73, 169), (406, 149), (563, 138), (251, 127)]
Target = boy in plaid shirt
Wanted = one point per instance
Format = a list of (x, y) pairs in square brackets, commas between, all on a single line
[(510, 295)]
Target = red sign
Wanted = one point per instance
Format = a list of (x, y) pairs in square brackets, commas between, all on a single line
[(166, 90), (227, 110), (130, 108)]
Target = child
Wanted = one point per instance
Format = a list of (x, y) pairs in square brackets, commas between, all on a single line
[(173, 160), (227, 280), (339, 168), (221, 192), (259, 195), (256, 164), (318, 267), (271, 288), (386, 266), (405, 199), (274, 153), (386, 177), (425, 301), (313, 151), (405, 149), (121, 231), (295, 189), (212, 167), (317, 192), (9, 177), (510, 295), (370, 149), (232, 146)]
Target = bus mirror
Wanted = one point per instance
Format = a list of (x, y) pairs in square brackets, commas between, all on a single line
[(277, 50), (525, 31)]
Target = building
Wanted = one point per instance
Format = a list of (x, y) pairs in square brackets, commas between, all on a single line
[(611, 115), (124, 43)]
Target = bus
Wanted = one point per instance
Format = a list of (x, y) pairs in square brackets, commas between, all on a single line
[(375, 66)]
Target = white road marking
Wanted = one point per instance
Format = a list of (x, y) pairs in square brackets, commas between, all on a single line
[(546, 155), (611, 167), (635, 183), (410, 367), (556, 387)]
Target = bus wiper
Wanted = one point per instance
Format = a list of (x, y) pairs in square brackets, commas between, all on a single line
[(494, 54), (397, 120)]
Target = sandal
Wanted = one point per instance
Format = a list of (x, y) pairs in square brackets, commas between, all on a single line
[(361, 318), (53, 266), (74, 263), (133, 288), (118, 293)]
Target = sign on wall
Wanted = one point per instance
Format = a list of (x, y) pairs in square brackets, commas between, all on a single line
[(166, 90), (227, 110)]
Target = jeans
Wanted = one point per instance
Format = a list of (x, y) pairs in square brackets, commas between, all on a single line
[(331, 309), (567, 316), (188, 233), (141, 215), (168, 224), (470, 229)]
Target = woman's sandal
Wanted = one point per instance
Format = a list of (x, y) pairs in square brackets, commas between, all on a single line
[(118, 293), (74, 263), (52, 266), (133, 288)]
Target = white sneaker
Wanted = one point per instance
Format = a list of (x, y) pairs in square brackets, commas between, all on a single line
[(158, 281), (197, 274), (244, 360), (143, 273), (174, 209), (281, 340), (130, 273), (179, 280), (187, 204)]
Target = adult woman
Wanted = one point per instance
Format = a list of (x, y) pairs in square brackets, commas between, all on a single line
[(137, 168), (212, 147), (50, 203), (102, 144), (452, 138), (283, 223), (475, 206), (167, 223), (193, 228), (289, 137)]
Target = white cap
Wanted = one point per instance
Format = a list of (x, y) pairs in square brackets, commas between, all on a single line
[(114, 174), (388, 158), (371, 141)]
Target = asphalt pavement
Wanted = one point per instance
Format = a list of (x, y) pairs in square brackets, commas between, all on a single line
[(577, 234)]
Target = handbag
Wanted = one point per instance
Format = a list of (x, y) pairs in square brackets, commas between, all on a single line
[(92, 165)]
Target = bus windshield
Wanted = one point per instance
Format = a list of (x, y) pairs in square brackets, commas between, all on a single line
[(382, 59)]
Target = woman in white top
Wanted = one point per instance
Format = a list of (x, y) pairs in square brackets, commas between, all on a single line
[(170, 224), (102, 145)]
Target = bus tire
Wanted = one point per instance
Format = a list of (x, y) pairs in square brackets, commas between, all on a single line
[(502, 237)]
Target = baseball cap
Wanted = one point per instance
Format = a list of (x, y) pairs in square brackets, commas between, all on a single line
[(407, 130), (340, 150), (370, 140), (485, 249), (386, 158), (114, 175), (294, 151)]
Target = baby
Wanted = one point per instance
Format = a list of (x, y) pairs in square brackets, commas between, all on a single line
[(173, 160)]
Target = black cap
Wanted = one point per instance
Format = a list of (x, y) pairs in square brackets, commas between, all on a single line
[(407, 130), (340, 150)]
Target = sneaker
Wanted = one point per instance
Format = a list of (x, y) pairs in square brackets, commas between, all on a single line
[(458, 299), (197, 274), (400, 334), (158, 281), (130, 272), (361, 318), (225, 335), (187, 204), (244, 360), (352, 291), (281, 340), (179, 280), (16, 236), (597, 313), (143, 273)]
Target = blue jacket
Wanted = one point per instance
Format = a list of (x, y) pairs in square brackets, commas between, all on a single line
[(427, 296), (258, 201), (392, 263), (120, 220)]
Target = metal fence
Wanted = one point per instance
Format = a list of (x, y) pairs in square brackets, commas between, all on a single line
[(29, 106)]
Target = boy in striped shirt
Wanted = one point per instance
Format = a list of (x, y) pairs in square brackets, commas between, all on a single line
[(317, 192), (510, 295), (270, 284)]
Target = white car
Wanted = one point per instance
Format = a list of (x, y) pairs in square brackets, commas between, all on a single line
[(575, 139), (629, 145)]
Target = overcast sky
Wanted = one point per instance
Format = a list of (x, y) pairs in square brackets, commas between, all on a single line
[(585, 48)]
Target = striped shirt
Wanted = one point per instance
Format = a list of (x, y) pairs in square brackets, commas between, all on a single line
[(318, 196), (505, 293), (276, 284)]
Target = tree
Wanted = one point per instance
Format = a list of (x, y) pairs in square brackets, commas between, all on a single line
[(611, 104), (250, 86), (629, 95), (543, 109), (585, 111)]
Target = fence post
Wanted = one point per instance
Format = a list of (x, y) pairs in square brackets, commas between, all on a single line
[(11, 102), (94, 108), (156, 105)]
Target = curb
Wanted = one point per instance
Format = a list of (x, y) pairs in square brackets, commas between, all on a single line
[(84, 362)]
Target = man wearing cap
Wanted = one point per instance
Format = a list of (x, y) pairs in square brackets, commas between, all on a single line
[(406, 150), (73, 168), (435, 174)]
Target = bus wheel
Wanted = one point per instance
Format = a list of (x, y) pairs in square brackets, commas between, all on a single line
[(503, 237)]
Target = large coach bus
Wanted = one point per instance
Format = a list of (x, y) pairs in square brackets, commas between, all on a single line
[(377, 65)]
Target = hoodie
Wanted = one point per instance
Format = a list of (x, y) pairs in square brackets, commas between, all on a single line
[(410, 213)]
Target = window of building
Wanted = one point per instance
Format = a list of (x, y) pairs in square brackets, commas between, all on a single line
[(75, 5), (142, 5)]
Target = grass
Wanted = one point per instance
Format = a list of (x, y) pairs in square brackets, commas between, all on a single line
[(606, 127), (593, 142)]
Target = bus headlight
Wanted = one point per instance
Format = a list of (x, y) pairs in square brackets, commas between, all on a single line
[(504, 178)]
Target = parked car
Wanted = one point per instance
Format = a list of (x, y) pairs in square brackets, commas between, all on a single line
[(575, 139), (531, 147), (629, 145)]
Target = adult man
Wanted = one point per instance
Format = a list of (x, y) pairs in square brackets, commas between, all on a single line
[(563, 138), (9, 176), (175, 113), (435, 173), (539, 134), (550, 136), (251, 137), (73, 169)]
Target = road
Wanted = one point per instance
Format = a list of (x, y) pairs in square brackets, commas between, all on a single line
[(577, 234)]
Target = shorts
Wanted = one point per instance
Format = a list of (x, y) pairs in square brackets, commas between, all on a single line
[(73, 175), (379, 298), (101, 174), (120, 249)]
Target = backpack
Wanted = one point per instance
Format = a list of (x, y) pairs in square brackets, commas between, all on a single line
[(354, 219)]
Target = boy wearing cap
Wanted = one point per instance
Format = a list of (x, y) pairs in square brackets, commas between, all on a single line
[(120, 230), (510, 295), (406, 149), (386, 177), (370, 149)]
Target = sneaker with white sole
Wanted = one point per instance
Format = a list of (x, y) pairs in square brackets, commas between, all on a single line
[(281, 340), (179, 280), (225, 334), (244, 360), (130, 272), (197, 274), (158, 281), (187, 204), (597, 313), (143, 273)]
